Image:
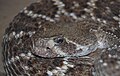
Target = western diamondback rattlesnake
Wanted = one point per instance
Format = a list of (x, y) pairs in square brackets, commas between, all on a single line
[(64, 38)]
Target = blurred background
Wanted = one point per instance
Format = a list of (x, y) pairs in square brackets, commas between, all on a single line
[(8, 9)]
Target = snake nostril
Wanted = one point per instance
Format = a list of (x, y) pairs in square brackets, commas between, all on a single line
[(47, 48)]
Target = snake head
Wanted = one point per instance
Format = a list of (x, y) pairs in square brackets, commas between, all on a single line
[(64, 39)]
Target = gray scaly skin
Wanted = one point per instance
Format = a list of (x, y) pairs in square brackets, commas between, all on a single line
[(64, 38)]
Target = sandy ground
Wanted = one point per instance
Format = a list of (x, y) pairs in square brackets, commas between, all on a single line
[(8, 9)]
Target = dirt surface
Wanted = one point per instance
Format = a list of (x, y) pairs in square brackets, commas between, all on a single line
[(8, 9)]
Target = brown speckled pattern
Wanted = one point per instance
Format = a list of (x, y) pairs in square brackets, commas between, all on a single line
[(64, 38)]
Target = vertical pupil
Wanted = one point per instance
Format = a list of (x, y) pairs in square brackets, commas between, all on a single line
[(59, 40)]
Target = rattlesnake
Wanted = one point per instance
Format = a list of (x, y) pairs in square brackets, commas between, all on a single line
[(64, 38)]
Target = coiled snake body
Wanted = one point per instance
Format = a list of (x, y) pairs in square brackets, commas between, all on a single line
[(64, 38)]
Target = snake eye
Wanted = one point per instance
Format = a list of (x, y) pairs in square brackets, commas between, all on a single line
[(59, 40)]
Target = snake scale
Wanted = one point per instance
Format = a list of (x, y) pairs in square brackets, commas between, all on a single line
[(64, 38)]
